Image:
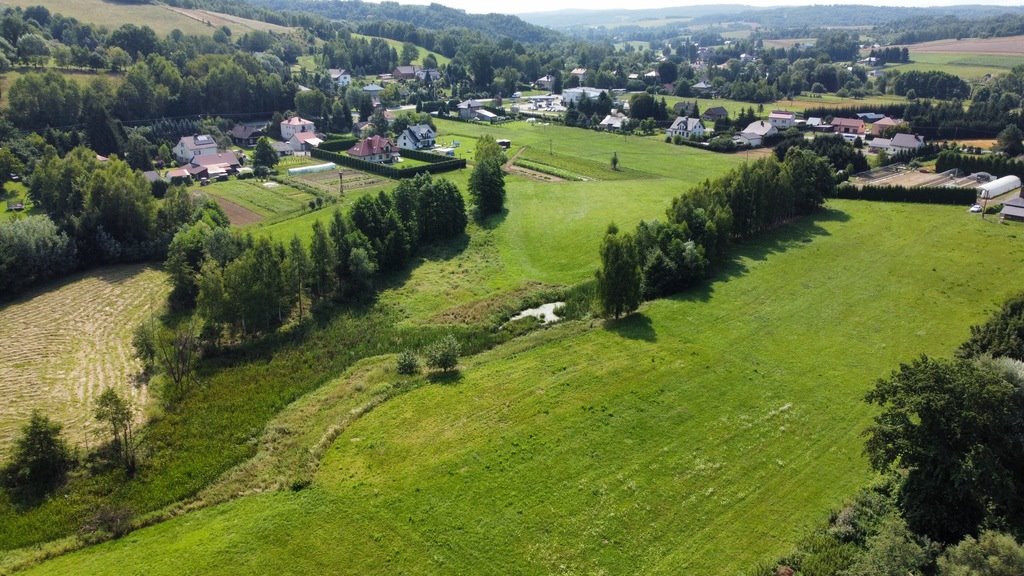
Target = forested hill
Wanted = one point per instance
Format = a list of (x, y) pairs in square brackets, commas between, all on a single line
[(432, 17), (851, 15)]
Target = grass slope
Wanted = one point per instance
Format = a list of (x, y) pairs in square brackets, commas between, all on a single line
[(703, 434), (161, 18), (397, 45)]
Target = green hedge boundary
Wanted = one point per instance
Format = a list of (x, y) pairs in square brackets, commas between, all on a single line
[(919, 195), (436, 163)]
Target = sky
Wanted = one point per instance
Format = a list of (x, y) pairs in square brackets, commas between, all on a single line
[(524, 6)]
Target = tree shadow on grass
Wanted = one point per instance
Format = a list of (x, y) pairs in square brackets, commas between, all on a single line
[(788, 236), (450, 377), (493, 221), (436, 251), (636, 326)]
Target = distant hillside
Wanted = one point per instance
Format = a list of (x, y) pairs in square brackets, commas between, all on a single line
[(851, 15), (567, 19), (432, 17)]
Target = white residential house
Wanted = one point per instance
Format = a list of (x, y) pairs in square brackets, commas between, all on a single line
[(295, 125), (580, 73), (304, 141), (782, 119), (755, 133), (189, 147), (417, 137), (544, 82), (687, 127), (340, 77), (615, 121)]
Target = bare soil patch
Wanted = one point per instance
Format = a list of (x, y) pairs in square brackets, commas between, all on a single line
[(216, 20), (238, 215), (1013, 45), (65, 344)]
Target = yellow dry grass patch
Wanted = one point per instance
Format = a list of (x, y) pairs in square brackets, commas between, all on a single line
[(66, 344)]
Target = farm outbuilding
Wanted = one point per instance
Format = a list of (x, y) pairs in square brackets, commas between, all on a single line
[(998, 187)]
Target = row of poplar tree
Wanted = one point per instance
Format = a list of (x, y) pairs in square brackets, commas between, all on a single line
[(661, 258)]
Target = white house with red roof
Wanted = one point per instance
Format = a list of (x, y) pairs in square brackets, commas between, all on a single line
[(294, 125)]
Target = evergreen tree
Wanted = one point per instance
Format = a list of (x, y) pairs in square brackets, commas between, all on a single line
[(40, 459), (264, 154), (323, 257), (619, 279), (487, 181), (298, 269)]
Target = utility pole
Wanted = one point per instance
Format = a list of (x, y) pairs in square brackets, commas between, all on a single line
[(341, 183)]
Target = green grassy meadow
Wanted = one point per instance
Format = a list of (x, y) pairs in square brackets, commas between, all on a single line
[(397, 45), (15, 192), (162, 19), (967, 65), (705, 433)]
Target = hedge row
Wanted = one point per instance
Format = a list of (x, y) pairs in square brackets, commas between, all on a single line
[(995, 164), (386, 170), (338, 144), (919, 195)]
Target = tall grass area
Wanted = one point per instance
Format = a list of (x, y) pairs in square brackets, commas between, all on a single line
[(214, 429), (706, 433)]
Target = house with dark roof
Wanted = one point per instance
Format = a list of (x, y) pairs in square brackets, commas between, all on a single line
[(686, 127), (684, 108), (469, 108), (375, 149), (246, 135), (417, 137), (848, 126), (405, 72), (1013, 210), (195, 145), (714, 114), (218, 165), (905, 143)]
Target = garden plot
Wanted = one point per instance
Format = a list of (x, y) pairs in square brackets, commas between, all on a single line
[(328, 181)]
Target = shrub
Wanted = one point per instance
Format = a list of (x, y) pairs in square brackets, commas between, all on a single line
[(443, 355), (107, 522), (408, 363), (40, 461)]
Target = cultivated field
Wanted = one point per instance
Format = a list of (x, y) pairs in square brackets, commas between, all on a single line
[(161, 18), (328, 182), (1010, 45), (66, 343), (704, 434), (968, 65)]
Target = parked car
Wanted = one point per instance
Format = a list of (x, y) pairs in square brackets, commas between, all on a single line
[(975, 209)]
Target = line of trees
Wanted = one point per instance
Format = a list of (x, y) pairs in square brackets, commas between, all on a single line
[(246, 286), (931, 84), (994, 164), (94, 213), (672, 255)]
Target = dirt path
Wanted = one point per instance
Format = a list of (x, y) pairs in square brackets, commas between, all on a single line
[(511, 168), (238, 215)]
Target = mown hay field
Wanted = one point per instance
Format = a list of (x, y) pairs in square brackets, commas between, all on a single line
[(65, 343)]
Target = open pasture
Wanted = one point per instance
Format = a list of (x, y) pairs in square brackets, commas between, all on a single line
[(397, 45), (65, 343), (160, 17), (675, 440), (970, 66)]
